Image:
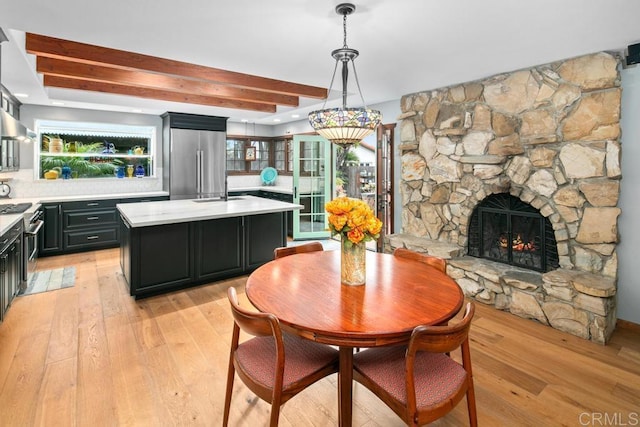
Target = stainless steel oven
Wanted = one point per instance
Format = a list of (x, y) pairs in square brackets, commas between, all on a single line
[(33, 223)]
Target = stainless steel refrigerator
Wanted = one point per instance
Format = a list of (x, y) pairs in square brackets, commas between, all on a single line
[(194, 160)]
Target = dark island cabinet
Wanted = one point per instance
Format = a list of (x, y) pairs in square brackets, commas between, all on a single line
[(83, 225), (273, 195), (220, 248), (163, 258), (263, 233)]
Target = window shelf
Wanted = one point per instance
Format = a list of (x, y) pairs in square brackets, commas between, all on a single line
[(93, 150)]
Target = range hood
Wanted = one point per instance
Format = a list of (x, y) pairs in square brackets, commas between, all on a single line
[(12, 128)]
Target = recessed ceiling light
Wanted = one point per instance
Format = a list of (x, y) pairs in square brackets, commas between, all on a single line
[(244, 120), (57, 103), (276, 120), (295, 116), (21, 95)]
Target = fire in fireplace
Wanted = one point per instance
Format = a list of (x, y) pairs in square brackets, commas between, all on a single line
[(503, 228)]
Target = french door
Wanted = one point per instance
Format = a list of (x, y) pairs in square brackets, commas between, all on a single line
[(311, 186)]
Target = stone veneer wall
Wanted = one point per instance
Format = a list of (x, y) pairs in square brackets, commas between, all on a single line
[(548, 135)]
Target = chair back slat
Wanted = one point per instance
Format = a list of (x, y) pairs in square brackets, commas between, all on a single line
[(442, 339), (254, 323), (433, 261), (299, 249)]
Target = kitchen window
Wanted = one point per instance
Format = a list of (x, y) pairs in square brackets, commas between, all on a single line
[(262, 155), (235, 156), (93, 150), (270, 152)]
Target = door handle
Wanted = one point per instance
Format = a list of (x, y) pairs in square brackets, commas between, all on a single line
[(33, 230)]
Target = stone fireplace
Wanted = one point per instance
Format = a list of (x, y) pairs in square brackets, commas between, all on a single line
[(545, 142)]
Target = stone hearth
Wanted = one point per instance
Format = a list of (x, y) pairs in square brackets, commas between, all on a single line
[(548, 135)]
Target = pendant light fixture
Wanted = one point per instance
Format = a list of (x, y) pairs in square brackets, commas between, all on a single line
[(345, 126)]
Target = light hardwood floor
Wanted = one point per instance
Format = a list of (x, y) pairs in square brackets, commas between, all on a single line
[(92, 356)]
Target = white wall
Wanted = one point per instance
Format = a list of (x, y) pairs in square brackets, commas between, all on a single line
[(628, 223), (249, 129)]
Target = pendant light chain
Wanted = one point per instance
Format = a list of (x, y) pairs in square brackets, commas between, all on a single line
[(344, 30)]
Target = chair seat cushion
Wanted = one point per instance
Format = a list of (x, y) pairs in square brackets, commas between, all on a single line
[(257, 358), (436, 375)]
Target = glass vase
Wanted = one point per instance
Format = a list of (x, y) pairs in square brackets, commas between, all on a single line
[(352, 263)]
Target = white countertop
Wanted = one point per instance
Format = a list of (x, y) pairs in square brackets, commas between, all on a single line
[(176, 211), (8, 221)]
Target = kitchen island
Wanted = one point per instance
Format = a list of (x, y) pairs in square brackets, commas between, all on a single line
[(174, 244)]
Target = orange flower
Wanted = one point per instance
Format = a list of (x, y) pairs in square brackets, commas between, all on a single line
[(337, 221), (353, 219), (356, 235), (374, 226)]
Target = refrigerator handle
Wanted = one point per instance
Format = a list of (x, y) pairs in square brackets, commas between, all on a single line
[(198, 171)]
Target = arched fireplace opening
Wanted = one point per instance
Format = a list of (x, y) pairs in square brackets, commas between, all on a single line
[(505, 229)]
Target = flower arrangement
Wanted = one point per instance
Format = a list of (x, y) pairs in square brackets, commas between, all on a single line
[(354, 219)]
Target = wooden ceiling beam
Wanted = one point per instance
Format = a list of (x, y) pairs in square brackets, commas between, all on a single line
[(58, 67), (90, 54), (151, 93)]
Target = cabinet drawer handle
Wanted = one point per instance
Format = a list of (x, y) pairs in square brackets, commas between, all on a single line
[(93, 204), (92, 237), (92, 218)]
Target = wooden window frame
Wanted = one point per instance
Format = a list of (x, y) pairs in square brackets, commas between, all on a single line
[(248, 147)]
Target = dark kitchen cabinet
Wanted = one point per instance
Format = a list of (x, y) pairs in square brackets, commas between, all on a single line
[(282, 197), (83, 225), (163, 258), (50, 242), (89, 225), (220, 248), (273, 195), (263, 233), (10, 266), (160, 257)]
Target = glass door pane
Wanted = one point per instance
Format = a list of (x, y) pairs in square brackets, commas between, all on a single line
[(495, 236), (311, 186), (526, 239)]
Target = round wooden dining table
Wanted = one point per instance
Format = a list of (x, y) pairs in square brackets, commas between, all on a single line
[(304, 292)]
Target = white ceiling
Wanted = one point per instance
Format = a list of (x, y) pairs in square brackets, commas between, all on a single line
[(405, 45)]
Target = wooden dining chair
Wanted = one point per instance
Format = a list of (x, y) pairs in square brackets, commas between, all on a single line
[(299, 249), (421, 383), (431, 260), (273, 364)]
